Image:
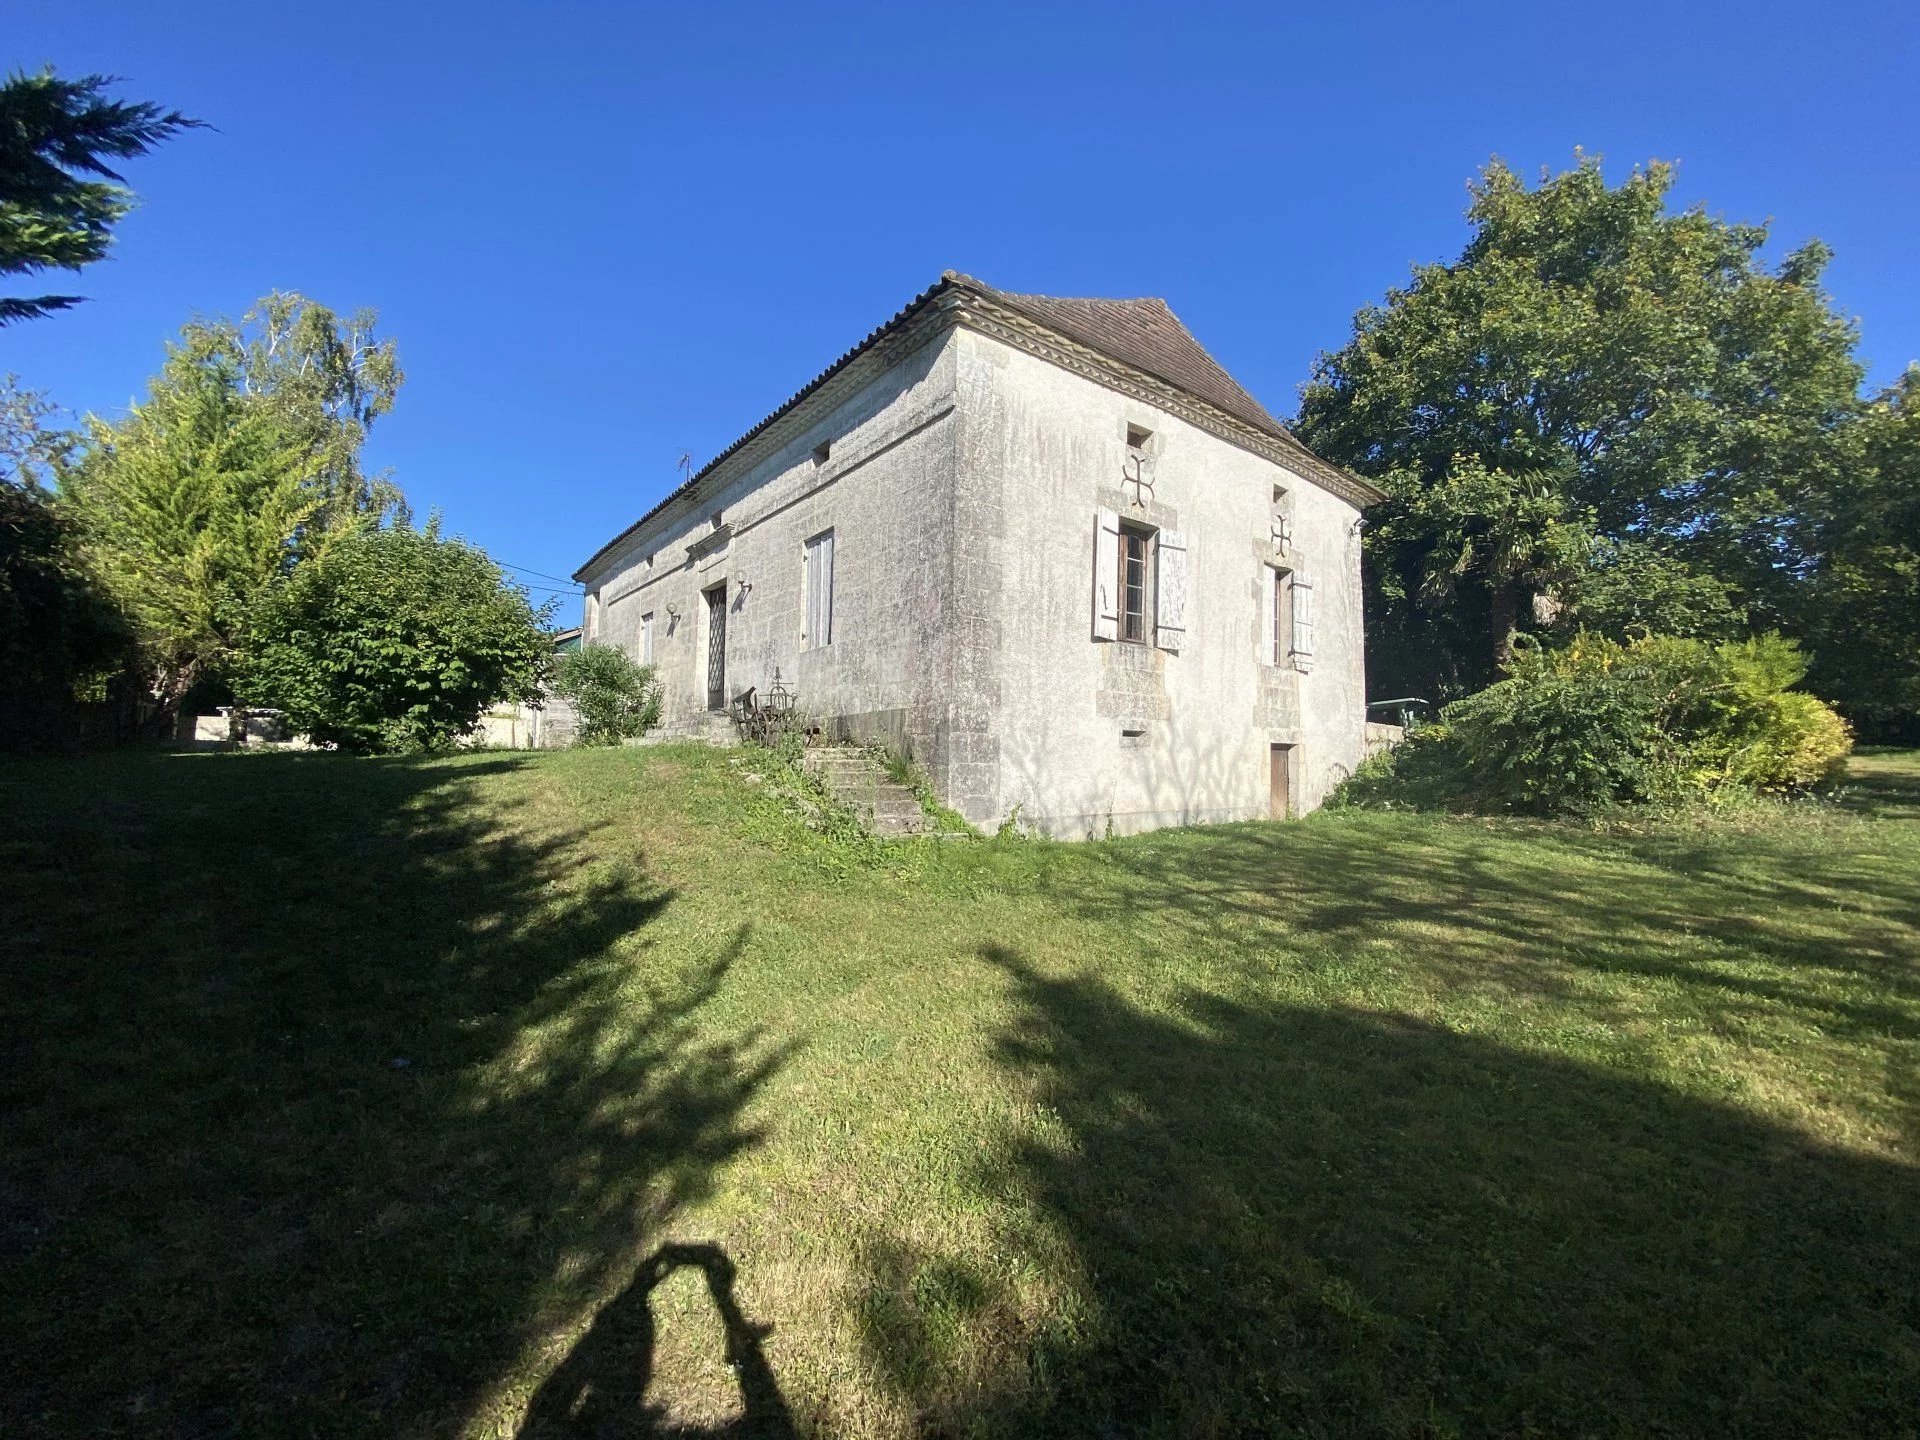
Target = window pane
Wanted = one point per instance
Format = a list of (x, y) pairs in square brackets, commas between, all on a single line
[(1133, 585), (1282, 619)]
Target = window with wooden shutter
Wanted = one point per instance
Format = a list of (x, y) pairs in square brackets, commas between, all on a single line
[(1276, 622), (1170, 600), (819, 586), (1106, 575), (1302, 597)]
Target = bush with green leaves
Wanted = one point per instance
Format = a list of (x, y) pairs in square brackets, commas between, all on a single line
[(1598, 723), (615, 697), (394, 641)]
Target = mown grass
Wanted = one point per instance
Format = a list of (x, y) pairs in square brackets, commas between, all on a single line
[(361, 1097)]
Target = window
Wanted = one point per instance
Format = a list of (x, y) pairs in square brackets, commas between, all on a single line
[(1282, 617), (1136, 546), (819, 584), (1288, 623), (822, 451), (1138, 436), (719, 517), (646, 638), (1139, 583)]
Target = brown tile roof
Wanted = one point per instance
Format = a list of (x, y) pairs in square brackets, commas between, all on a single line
[(1147, 335), (1144, 334)]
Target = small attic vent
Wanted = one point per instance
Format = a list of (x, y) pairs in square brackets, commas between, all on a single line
[(822, 451), (1138, 436)]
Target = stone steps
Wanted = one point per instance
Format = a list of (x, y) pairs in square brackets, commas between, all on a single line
[(858, 781)]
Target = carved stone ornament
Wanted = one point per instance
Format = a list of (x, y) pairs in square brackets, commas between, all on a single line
[(1136, 477)]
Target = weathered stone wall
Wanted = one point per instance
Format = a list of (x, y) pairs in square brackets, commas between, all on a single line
[(1042, 450), (885, 489), (962, 483)]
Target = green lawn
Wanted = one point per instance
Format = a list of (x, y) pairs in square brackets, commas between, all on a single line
[(349, 1097)]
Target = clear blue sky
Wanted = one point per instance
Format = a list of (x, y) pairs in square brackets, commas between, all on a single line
[(605, 234)]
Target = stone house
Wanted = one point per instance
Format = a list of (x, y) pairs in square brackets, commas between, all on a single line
[(1045, 547)]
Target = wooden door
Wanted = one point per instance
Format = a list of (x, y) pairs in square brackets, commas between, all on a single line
[(717, 648), (1279, 781)]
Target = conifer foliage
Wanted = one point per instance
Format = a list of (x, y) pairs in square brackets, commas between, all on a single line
[(59, 196)]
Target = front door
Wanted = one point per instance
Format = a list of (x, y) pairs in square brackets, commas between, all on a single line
[(717, 648), (1279, 781)]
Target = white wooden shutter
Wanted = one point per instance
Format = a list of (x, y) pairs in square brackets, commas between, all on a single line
[(1106, 575), (1302, 622), (1170, 603), (819, 579)]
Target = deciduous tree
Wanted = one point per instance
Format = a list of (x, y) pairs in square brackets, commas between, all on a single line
[(325, 377), (1864, 596), (395, 640), (1596, 382)]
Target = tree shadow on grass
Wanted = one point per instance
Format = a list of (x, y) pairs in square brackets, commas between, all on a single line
[(1333, 1222), (1884, 784), (1745, 925), (335, 1087)]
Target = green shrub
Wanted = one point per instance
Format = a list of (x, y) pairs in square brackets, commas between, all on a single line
[(615, 697), (393, 641), (1597, 724), (1422, 772)]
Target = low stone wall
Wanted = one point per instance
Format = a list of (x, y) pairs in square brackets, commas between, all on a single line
[(1381, 737), (228, 726), (550, 725)]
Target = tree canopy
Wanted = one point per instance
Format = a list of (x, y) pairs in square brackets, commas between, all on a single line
[(324, 377), (1863, 610), (243, 460), (395, 640), (59, 196), (188, 511), (1603, 411)]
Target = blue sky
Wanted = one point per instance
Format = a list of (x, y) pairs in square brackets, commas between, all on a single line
[(608, 234)]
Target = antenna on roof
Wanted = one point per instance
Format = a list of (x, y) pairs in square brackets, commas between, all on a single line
[(685, 464)]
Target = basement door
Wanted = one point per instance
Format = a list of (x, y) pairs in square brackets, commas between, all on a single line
[(717, 647), (1279, 781)]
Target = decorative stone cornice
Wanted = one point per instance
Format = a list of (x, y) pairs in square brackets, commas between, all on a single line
[(984, 314)]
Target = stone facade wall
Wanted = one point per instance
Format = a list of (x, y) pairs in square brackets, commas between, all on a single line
[(1093, 735), (885, 489), (962, 481)]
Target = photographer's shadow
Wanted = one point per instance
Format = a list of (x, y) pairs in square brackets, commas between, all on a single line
[(599, 1390)]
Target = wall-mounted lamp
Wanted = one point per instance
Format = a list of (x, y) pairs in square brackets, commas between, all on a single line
[(746, 585), (673, 612)]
